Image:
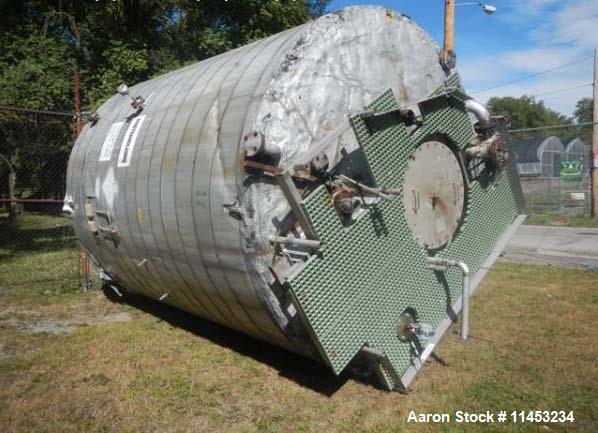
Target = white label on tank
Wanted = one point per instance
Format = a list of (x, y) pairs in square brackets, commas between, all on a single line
[(106, 152), (128, 144)]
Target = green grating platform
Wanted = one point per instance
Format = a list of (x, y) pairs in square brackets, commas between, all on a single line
[(352, 292)]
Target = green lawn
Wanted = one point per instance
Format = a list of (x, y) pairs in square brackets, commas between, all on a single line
[(546, 218), (73, 362), (38, 254)]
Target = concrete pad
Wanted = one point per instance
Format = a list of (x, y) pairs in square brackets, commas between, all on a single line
[(562, 246)]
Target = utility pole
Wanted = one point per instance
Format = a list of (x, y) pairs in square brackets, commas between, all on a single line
[(449, 58), (594, 168)]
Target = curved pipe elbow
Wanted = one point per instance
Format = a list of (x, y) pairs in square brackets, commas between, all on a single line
[(479, 111), (464, 268)]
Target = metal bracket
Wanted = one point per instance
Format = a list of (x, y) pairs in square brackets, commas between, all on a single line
[(108, 232), (285, 181), (403, 115)]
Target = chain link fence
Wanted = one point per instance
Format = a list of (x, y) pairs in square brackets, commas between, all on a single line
[(554, 166), (38, 249)]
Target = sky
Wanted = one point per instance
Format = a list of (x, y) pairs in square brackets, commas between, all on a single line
[(523, 37)]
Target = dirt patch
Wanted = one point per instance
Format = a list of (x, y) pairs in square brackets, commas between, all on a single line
[(58, 327), (48, 327)]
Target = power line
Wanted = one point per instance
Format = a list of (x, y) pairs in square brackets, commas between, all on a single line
[(31, 111), (566, 89), (527, 77), (561, 126)]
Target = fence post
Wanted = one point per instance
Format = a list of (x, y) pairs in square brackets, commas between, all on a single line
[(77, 126), (594, 190), (84, 266), (12, 195), (13, 207)]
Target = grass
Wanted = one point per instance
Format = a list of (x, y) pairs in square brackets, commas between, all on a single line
[(546, 218), (38, 258), (533, 347), (543, 198)]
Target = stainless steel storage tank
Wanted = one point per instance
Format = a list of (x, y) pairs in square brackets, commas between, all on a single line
[(187, 195)]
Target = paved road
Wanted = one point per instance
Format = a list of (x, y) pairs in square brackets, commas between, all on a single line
[(568, 246)]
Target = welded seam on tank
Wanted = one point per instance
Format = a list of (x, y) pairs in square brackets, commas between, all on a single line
[(201, 74), (239, 325), (183, 284), (127, 250), (135, 280), (194, 209), (192, 300), (262, 86), (196, 167), (253, 276), (102, 249), (146, 284), (257, 50), (281, 38), (188, 303), (154, 283), (141, 191), (208, 297), (157, 282), (122, 251), (260, 50)]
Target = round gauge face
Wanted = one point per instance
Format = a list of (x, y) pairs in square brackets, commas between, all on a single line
[(433, 194)]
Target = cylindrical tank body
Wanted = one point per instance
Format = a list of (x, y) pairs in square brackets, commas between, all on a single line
[(159, 197)]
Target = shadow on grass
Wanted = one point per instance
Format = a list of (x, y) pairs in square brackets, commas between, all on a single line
[(303, 371), (25, 236)]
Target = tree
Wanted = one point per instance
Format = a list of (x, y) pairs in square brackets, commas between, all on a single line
[(584, 110), (526, 112), (35, 73), (123, 41), (109, 42)]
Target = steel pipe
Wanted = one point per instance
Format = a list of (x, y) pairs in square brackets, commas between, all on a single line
[(437, 263), (479, 110)]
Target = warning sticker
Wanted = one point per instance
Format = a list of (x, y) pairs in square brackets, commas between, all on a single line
[(108, 146), (128, 143)]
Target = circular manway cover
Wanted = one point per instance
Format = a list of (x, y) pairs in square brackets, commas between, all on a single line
[(433, 194)]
